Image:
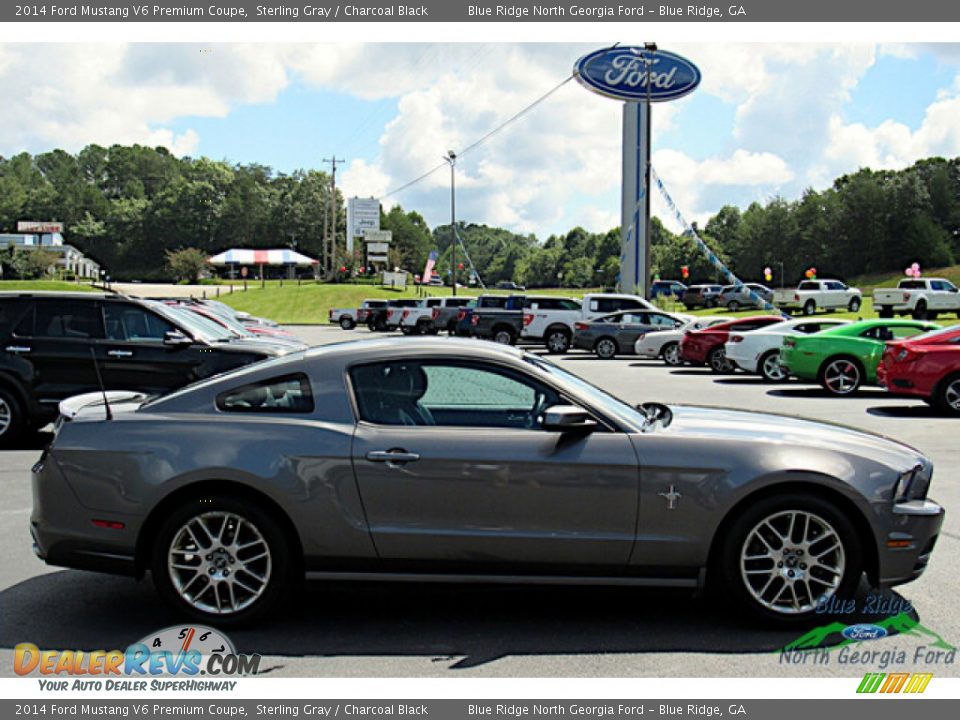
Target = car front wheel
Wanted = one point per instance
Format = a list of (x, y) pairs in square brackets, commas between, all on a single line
[(717, 360), (220, 559), (788, 554), (770, 367)]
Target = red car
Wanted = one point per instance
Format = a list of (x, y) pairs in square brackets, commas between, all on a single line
[(705, 346), (925, 366)]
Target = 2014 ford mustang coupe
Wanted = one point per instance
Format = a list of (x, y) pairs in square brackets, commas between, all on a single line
[(450, 459)]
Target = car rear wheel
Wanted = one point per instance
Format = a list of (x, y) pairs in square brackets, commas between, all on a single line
[(12, 419), (809, 307), (770, 367), (948, 395), (606, 348), (788, 554), (841, 376), (220, 559), (406, 330), (347, 323), (717, 360), (733, 306), (671, 354), (920, 311), (504, 336), (854, 304), (558, 341)]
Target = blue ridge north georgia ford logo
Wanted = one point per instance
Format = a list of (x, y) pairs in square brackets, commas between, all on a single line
[(634, 73)]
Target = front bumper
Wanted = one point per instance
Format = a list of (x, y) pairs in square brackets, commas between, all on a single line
[(912, 532)]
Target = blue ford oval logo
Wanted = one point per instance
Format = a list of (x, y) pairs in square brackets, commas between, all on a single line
[(863, 632), (633, 73)]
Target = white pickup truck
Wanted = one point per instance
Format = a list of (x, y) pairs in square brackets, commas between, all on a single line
[(419, 320), (812, 295), (349, 318), (550, 319), (923, 298)]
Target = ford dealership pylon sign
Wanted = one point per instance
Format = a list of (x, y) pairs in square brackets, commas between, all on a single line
[(638, 76), (622, 73)]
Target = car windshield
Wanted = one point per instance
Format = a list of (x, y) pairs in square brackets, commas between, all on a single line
[(604, 401), (199, 328), (235, 326)]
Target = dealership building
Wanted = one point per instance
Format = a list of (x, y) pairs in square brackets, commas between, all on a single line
[(72, 260)]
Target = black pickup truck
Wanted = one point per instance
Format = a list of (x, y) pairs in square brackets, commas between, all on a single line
[(500, 324)]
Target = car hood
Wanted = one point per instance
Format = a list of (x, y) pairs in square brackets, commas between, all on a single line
[(264, 346), (739, 425)]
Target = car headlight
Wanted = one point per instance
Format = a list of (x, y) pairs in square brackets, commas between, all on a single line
[(912, 484)]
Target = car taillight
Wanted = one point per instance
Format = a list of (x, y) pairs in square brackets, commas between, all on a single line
[(906, 355), (461, 315), (580, 326), (406, 314), (475, 320), (330, 315), (906, 297), (796, 297), (735, 338), (789, 343), (435, 314), (527, 319)]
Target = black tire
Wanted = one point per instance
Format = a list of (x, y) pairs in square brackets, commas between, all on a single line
[(606, 348), (946, 397), (730, 565), (717, 360), (276, 567), (557, 341), (851, 370), (854, 304), (809, 307), (733, 306), (671, 354), (452, 328), (504, 335), (710, 304), (13, 420), (766, 370), (380, 324), (406, 330), (347, 323), (920, 311), (885, 313), (424, 327)]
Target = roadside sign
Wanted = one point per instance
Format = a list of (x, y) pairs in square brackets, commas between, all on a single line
[(377, 236), (35, 226)]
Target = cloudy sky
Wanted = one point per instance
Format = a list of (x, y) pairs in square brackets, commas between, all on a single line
[(767, 119)]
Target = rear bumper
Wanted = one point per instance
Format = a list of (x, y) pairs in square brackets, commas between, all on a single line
[(910, 540), (63, 531)]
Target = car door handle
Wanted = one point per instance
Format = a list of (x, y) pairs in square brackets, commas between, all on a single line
[(120, 353), (392, 457), (17, 349)]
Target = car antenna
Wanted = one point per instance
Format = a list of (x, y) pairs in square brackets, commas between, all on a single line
[(103, 389)]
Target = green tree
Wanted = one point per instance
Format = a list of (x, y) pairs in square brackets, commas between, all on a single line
[(187, 264)]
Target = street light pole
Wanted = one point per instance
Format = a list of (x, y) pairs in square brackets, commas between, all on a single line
[(451, 157)]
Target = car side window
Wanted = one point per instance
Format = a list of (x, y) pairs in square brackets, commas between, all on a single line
[(436, 393), (73, 320), (126, 322), (287, 394), (663, 321)]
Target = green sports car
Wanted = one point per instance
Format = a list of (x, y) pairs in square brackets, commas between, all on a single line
[(844, 358)]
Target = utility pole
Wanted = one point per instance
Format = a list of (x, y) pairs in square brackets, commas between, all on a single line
[(451, 157), (330, 241)]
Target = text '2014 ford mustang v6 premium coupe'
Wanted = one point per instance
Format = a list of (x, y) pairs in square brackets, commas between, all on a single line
[(446, 459)]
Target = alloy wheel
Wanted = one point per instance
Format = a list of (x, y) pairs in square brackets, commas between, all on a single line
[(791, 561), (718, 360), (606, 348), (6, 416), (951, 395), (219, 563), (841, 377), (771, 367), (671, 354), (503, 337), (558, 342)]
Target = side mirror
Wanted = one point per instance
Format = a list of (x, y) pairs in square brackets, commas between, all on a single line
[(175, 338), (953, 289), (568, 418)]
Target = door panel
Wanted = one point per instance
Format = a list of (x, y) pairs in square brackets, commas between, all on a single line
[(493, 496)]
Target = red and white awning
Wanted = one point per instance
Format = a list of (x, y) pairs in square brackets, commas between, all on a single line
[(246, 256)]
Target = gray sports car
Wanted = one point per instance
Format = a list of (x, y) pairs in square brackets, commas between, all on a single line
[(449, 459)]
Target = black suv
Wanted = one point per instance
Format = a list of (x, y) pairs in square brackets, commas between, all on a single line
[(45, 352)]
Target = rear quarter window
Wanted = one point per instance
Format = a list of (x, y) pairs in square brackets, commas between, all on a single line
[(10, 310), (287, 394)]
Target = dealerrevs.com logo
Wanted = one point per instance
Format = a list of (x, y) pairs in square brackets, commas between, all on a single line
[(178, 651)]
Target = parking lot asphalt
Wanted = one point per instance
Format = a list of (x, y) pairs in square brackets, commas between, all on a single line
[(374, 629)]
